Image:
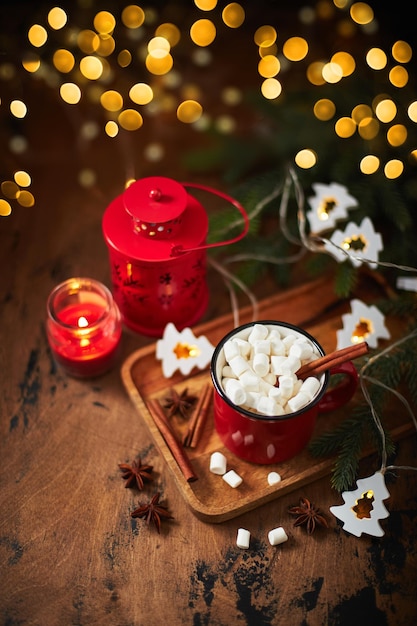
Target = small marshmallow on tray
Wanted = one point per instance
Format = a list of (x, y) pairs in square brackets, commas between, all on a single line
[(259, 373)]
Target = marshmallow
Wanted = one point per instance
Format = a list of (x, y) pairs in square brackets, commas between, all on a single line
[(289, 340), (261, 364), (244, 346), (277, 535), (278, 347), (310, 386), (277, 362), (262, 346), (286, 386), (259, 331), (270, 378), (234, 390), (243, 538), (218, 463), (250, 381), (231, 349), (227, 372), (267, 406), (292, 364), (252, 399), (273, 478), (298, 401), (232, 478), (239, 365), (301, 350)]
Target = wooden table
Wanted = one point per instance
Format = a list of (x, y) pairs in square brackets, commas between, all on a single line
[(70, 552)]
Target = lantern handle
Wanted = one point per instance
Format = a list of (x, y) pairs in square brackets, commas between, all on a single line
[(178, 249)]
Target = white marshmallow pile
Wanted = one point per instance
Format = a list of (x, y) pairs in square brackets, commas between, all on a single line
[(255, 363)]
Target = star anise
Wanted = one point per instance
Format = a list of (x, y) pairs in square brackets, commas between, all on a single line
[(152, 512), (181, 403), (136, 473), (307, 513)]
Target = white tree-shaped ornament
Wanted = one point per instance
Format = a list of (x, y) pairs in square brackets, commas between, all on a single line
[(364, 506), (182, 350), (359, 243), (364, 323), (329, 204)]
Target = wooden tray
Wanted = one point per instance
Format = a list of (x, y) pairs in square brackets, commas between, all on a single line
[(209, 497)]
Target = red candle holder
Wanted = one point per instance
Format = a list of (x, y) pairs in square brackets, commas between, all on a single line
[(83, 327), (156, 234)]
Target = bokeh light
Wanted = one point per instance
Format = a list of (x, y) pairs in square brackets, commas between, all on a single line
[(412, 111), (324, 109), (295, 48), (386, 110), (369, 164), (22, 178), (130, 119), (397, 135), (18, 108), (70, 93), (111, 100), (133, 16), (205, 5), (170, 32), (189, 111), (345, 61), (91, 67), (37, 35), (57, 18), (269, 66), (104, 22), (63, 60), (306, 158), (376, 59), (233, 15), (361, 13), (203, 32), (394, 168), (398, 76), (345, 127), (141, 93), (271, 88), (265, 36), (402, 52)]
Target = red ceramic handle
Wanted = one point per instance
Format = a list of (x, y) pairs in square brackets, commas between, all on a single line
[(343, 392)]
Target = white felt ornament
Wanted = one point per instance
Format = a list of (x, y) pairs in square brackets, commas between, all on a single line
[(358, 243), (182, 350), (364, 506), (329, 204), (364, 323)]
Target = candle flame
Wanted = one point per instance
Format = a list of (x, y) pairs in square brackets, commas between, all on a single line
[(82, 322)]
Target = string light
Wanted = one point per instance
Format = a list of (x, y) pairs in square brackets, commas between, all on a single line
[(84, 63)]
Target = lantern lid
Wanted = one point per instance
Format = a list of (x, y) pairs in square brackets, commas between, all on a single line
[(155, 199)]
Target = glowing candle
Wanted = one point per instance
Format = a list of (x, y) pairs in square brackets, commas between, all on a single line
[(83, 327)]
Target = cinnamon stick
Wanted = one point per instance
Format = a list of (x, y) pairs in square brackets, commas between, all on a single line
[(333, 358), (171, 440), (198, 418)]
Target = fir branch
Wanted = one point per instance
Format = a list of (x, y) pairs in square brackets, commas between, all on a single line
[(346, 278), (346, 465), (330, 442)]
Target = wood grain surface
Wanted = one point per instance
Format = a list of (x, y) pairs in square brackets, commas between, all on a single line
[(70, 553)]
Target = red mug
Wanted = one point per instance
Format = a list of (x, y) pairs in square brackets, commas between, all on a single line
[(265, 439)]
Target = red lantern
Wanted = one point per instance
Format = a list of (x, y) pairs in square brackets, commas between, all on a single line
[(156, 236)]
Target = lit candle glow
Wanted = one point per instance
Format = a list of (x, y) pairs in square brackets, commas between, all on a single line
[(83, 327)]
